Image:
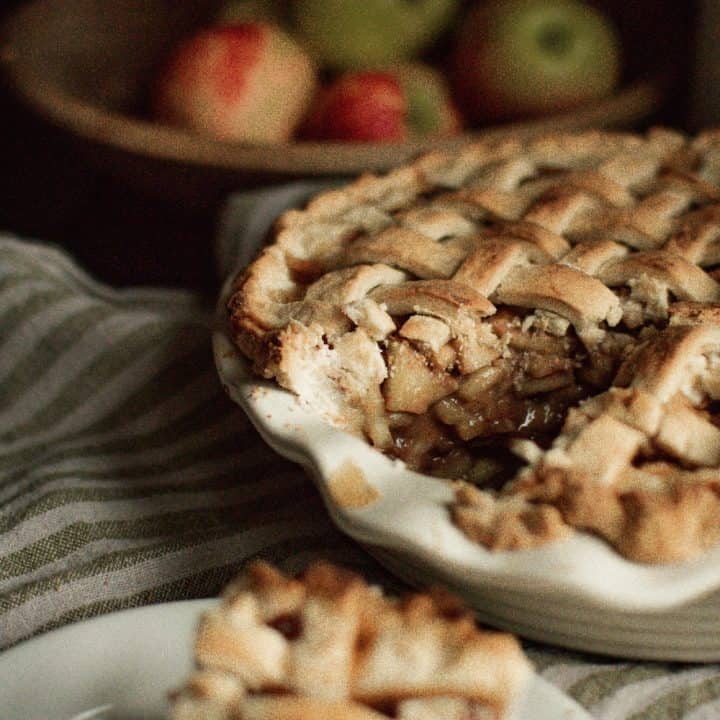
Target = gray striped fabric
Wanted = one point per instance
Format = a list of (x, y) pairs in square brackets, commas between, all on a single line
[(127, 477)]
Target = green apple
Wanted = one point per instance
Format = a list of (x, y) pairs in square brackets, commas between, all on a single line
[(430, 110), (518, 58), (357, 34), (239, 11)]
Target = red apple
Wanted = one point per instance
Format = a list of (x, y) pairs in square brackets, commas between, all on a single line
[(246, 82), (517, 58), (383, 106)]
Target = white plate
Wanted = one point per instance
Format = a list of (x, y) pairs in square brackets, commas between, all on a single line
[(121, 666), (577, 593)]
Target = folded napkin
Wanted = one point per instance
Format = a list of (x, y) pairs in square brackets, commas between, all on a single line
[(127, 477)]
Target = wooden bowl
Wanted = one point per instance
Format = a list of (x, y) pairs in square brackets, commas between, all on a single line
[(86, 65)]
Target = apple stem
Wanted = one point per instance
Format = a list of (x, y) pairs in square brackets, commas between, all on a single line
[(555, 39)]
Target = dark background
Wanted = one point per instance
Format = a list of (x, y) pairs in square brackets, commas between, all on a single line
[(126, 236)]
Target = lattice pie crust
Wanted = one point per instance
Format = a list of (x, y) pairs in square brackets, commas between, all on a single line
[(326, 645), (537, 320)]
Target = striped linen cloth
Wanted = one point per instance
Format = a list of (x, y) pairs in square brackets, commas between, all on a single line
[(128, 478)]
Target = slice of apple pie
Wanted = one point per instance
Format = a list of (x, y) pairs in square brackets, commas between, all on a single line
[(326, 645), (538, 320)]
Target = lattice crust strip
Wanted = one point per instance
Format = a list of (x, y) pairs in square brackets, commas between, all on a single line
[(326, 645), (552, 298)]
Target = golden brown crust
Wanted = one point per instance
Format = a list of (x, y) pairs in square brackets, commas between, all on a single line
[(510, 523), (635, 520), (328, 645), (565, 287)]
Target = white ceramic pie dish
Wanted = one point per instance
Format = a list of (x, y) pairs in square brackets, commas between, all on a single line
[(578, 593)]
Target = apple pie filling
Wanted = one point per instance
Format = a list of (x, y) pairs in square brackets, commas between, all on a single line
[(537, 368)]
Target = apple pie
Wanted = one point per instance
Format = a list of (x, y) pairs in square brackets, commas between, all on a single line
[(537, 320), (327, 645)]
